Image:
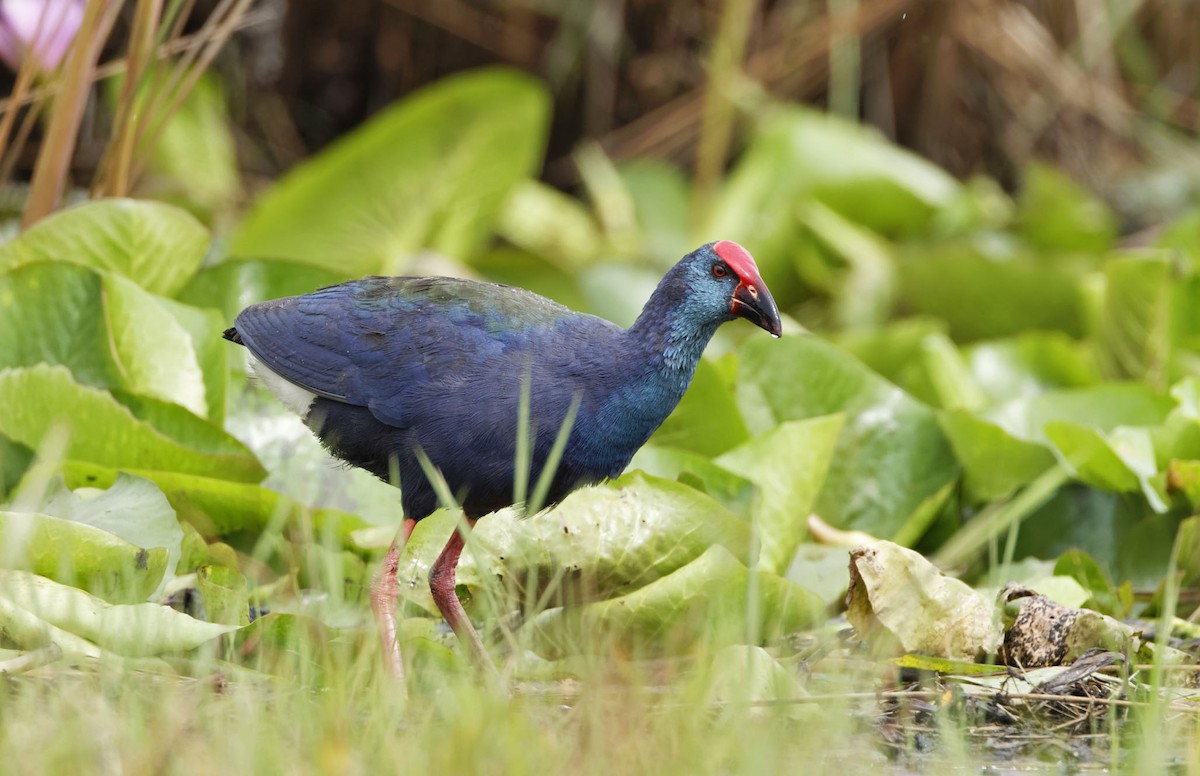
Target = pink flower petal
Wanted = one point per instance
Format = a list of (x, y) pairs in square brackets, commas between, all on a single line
[(43, 28)]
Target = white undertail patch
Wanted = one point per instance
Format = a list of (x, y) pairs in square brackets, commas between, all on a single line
[(298, 400)]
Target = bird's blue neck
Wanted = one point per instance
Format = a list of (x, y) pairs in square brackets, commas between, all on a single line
[(671, 333), (654, 365), (661, 352)]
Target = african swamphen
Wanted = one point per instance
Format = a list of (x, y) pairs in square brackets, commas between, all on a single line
[(387, 368)]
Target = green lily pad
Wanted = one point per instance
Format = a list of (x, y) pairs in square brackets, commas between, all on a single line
[(891, 458), (124, 236), (736, 492), (707, 420), (1087, 572), (1031, 363), (995, 463), (212, 353), (45, 399), (80, 555), (28, 631), (789, 465), (135, 630), (107, 329), (598, 542), (426, 173), (154, 352), (544, 221), (866, 285), (662, 206), (1133, 334), (938, 375), (111, 333), (981, 296), (1103, 407), (714, 601), (890, 350), (132, 508), (609, 539), (218, 507), (1055, 213), (1124, 535), (53, 312), (744, 674), (225, 594), (1121, 460), (802, 152)]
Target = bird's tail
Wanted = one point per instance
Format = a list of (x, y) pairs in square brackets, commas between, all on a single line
[(232, 335)]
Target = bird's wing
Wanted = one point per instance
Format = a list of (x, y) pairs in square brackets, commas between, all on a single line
[(382, 343)]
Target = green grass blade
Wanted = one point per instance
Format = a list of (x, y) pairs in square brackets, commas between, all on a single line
[(555, 457)]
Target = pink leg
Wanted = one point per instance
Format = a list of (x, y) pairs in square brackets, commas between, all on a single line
[(441, 584), (384, 592)]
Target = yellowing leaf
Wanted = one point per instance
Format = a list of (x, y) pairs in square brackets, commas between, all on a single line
[(897, 594)]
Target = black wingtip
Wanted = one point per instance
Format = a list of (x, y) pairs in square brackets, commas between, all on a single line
[(232, 335)]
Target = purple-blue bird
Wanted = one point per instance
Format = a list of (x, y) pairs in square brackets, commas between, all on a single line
[(387, 369)]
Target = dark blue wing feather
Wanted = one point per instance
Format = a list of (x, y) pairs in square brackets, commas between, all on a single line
[(415, 347)]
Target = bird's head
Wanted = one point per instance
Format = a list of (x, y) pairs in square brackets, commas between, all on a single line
[(723, 279)]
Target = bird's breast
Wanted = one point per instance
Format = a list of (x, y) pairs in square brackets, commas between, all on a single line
[(624, 418)]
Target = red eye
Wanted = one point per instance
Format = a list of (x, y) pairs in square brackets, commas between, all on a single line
[(719, 271)]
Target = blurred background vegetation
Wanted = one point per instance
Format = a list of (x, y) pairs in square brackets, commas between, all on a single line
[(986, 211), (1104, 91)]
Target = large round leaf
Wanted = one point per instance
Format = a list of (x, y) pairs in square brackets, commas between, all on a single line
[(1031, 363), (982, 296), (1055, 213), (789, 465), (43, 400), (1133, 333), (736, 492), (109, 331), (1123, 534), (714, 600), (154, 352), (1104, 407), (133, 508), (428, 173), (995, 463), (212, 352), (891, 458), (598, 542), (801, 152), (53, 313), (157, 246), (80, 555), (217, 507), (129, 629), (707, 419)]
